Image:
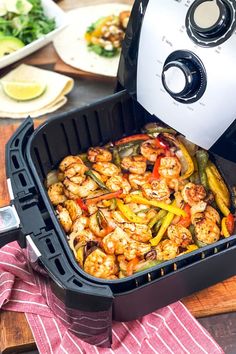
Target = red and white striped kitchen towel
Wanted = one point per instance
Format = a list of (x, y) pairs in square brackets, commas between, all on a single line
[(169, 330)]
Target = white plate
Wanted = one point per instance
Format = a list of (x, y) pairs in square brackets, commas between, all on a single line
[(72, 47), (52, 11)]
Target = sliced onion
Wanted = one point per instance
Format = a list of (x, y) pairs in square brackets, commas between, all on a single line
[(52, 177)]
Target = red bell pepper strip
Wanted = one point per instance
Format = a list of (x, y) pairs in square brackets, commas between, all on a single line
[(135, 137), (186, 221), (230, 223), (161, 144), (82, 204), (103, 197), (155, 172)]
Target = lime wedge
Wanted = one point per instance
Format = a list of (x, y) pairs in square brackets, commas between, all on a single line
[(23, 91)]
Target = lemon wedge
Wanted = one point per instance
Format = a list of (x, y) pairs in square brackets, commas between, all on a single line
[(22, 90)]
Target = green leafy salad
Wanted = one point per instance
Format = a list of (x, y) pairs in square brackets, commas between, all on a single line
[(22, 22)]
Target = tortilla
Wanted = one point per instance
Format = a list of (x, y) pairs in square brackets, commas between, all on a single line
[(57, 86), (72, 47)]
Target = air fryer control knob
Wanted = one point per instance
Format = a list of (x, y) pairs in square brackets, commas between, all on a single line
[(210, 22), (183, 76)]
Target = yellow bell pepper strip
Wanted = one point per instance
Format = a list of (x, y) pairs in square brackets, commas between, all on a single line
[(224, 230), (156, 218), (221, 205), (220, 180), (172, 208), (216, 187), (129, 214), (185, 153), (190, 248), (166, 223)]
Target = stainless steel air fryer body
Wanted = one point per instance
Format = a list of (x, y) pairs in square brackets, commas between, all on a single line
[(179, 60)]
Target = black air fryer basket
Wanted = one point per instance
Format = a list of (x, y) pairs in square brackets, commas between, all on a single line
[(89, 304)]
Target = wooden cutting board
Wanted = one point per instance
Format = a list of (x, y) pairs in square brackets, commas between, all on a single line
[(15, 333)]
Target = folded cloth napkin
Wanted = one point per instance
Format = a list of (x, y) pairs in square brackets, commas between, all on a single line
[(57, 86), (169, 330)]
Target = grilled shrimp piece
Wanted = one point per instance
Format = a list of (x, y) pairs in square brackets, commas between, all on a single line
[(116, 183), (193, 193), (212, 214), (136, 249), (82, 190), (198, 208), (136, 181), (206, 230), (177, 184), (64, 218), (96, 154), (106, 168), (56, 193), (99, 231), (80, 224), (134, 164), (100, 265), (170, 167), (115, 242), (118, 217), (156, 189), (75, 169), (138, 232), (73, 209), (180, 235), (77, 179), (150, 150), (166, 249), (69, 160)]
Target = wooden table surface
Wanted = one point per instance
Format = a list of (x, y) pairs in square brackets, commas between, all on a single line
[(15, 334)]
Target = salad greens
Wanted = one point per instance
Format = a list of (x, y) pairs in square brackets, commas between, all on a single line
[(25, 20)]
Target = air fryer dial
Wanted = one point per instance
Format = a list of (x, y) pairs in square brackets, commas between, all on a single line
[(184, 76), (211, 22)]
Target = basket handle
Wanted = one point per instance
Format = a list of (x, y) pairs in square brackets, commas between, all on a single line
[(9, 225)]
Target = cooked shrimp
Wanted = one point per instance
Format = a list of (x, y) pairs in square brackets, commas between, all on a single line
[(136, 249), (116, 183), (136, 181), (75, 169), (56, 193), (78, 179), (82, 190), (64, 218), (177, 184), (156, 189), (99, 230), (115, 242), (206, 230), (100, 265), (124, 18), (96, 154), (138, 232), (180, 235), (106, 168), (150, 150), (212, 214), (170, 167), (73, 209), (80, 224), (69, 160), (166, 249), (134, 164), (198, 207), (118, 216), (193, 193)]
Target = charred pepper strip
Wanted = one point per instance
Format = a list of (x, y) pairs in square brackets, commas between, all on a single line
[(97, 180), (129, 214), (220, 180), (202, 160), (132, 138), (216, 188), (166, 223), (116, 156), (106, 196), (227, 225), (156, 218), (172, 208)]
